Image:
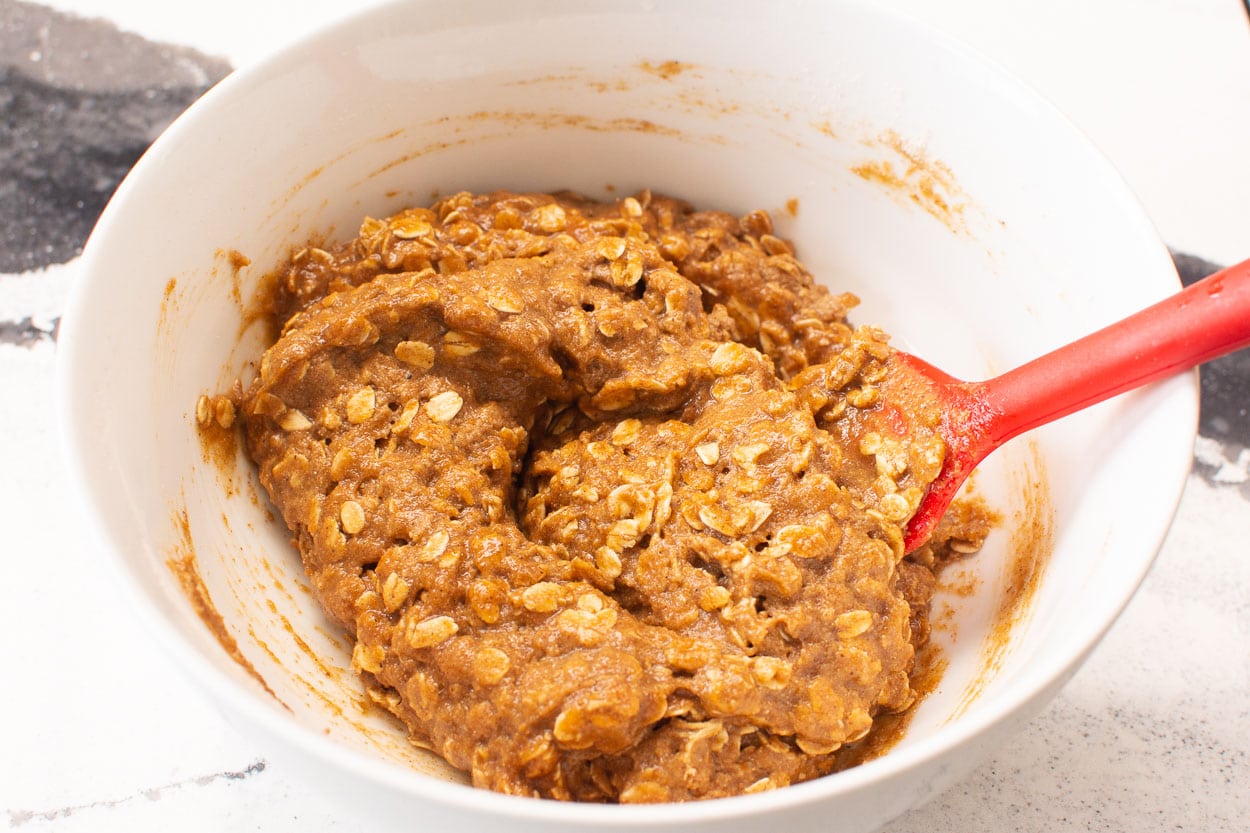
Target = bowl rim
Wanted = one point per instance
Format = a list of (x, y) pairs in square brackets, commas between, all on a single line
[(1031, 686)]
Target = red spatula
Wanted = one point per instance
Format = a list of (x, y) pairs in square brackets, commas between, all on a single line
[(1205, 321)]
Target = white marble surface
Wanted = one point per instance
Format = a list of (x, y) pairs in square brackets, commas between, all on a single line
[(1153, 734)]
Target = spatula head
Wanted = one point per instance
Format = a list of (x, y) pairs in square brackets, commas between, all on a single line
[(931, 400)]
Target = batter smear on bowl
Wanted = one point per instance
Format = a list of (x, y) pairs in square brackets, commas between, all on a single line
[(603, 491)]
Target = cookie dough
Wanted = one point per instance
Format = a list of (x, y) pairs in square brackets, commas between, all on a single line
[(599, 490)]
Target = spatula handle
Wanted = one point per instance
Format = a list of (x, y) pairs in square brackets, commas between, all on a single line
[(1204, 321)]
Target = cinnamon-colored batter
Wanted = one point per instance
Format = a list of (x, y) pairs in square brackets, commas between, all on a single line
[(606, 493)]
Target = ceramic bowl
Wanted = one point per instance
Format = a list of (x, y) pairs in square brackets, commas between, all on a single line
[(977, 225)]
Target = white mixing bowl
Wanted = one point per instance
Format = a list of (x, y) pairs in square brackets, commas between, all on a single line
[(977, 225)]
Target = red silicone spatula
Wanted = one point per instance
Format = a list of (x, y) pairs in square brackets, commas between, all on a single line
[(1205, 321)]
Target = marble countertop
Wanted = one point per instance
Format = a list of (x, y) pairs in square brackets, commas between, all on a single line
[(1152, 734)]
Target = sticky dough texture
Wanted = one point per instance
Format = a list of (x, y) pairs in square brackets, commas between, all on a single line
[(578, 478)]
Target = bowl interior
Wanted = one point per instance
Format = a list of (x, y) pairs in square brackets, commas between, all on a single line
[(976, 225)]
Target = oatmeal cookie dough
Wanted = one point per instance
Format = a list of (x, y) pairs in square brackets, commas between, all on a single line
[(599, 490)]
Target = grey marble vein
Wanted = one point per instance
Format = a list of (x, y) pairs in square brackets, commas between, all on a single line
[(26, 332), (18, 818)]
